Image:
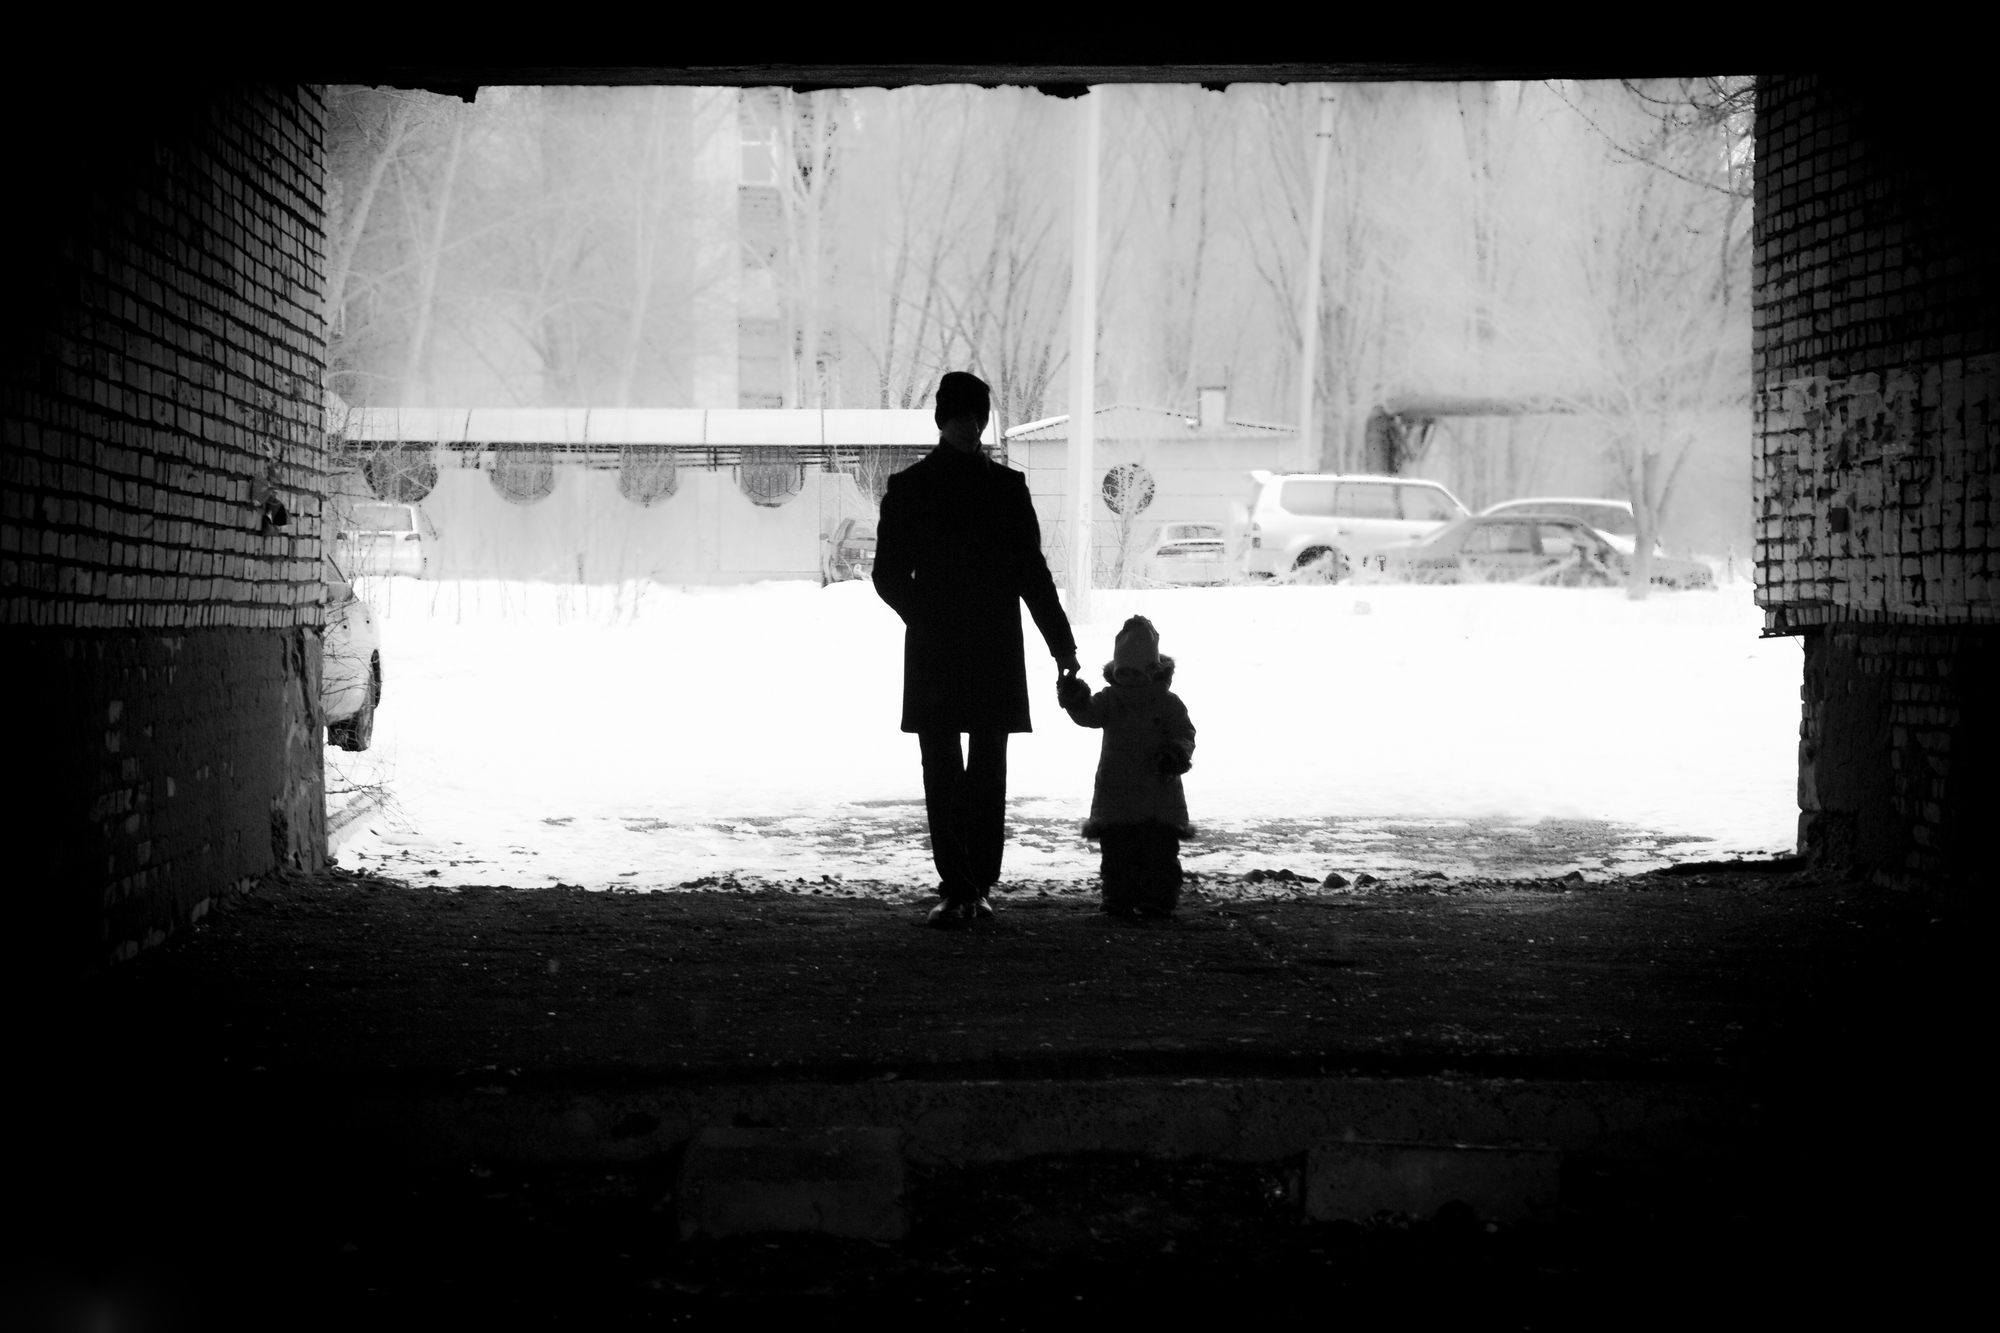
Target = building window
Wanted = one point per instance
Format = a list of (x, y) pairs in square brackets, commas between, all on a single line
[(401, 473), (770, 474), (523, 474), (647, 476), (760, 363), (757, 121)]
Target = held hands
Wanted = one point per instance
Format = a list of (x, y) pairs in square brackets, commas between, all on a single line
[(1070, 691), (1174, 762)]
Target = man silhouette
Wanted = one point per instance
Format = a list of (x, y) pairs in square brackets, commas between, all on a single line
[(957, 551)]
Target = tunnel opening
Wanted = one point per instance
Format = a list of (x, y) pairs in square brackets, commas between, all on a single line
[(791, 362), (166, 473), (550, 1054)]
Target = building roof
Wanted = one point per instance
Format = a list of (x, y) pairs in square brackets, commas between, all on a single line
[(1123, 421), (588, 426)]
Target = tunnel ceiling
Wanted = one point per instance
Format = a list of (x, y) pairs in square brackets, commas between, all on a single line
[(453, 77)]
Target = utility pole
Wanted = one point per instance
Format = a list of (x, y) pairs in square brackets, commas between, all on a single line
[(1083, 362), (1309, 308)]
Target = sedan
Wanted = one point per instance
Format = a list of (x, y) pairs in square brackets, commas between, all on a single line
[(1564, 552), (1189, 553), (1611, 519), (350, 680)]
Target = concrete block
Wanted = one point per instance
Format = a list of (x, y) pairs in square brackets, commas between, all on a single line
[(843, 1182), (1353, 1181)]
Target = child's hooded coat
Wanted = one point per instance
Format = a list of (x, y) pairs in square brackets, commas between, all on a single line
[(1139, 722)]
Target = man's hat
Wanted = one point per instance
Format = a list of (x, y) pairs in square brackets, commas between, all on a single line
[(962, 395)]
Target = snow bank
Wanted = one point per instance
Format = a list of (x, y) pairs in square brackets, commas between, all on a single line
[(645, 735)]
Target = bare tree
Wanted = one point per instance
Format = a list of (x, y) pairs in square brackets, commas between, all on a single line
[(804, 130), (375, 123), (1009, 310), (1365, 284), (1127, 490), (1166, 186), (1661, 250), (904, 157), (957, 262), (428, 214), (647, 223), (1584, 241)]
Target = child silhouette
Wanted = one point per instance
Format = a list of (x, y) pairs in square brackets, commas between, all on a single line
[(1138, 813)]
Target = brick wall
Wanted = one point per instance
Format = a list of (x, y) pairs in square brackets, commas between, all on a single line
[(170, 770), (1875, 368), (1895, 741), (1877, 377), (164, 353), (176, 365)]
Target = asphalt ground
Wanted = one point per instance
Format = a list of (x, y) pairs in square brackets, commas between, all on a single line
[(1849, 1008), (1681, 975)]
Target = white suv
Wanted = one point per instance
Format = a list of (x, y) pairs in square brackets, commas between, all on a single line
[(1291, 521)]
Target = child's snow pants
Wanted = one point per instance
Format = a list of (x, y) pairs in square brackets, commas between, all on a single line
[(1141, 868)]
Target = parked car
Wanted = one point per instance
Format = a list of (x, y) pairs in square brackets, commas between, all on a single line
[(849, 551), (1612, 519), (1511, 548), (380, 537), (1188, 553), (1293, 522), (350, 681)]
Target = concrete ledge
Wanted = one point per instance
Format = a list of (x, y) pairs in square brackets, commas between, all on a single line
[(1355, 1181), (966, 1122), (841, 1182)]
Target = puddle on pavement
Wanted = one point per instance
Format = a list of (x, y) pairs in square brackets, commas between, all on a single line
[(880, 849)]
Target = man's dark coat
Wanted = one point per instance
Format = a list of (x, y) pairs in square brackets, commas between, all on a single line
[(956, 553)]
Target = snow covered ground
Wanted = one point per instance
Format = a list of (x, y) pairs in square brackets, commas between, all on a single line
[(646, 736)]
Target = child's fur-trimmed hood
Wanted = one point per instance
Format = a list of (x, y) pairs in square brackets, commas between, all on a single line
[(1163, 674)]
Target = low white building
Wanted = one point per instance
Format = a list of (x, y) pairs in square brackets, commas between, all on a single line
[(600, 495), (1150, 467)]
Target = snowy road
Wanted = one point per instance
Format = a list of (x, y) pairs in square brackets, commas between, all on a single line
[(647, 736)]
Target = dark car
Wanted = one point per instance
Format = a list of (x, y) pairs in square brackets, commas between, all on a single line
[(1513, 548)]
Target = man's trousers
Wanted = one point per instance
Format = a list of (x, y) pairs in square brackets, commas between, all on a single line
[(965, 797)]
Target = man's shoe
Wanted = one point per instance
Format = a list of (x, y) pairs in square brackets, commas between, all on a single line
[(949, 916), (980, 909)]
